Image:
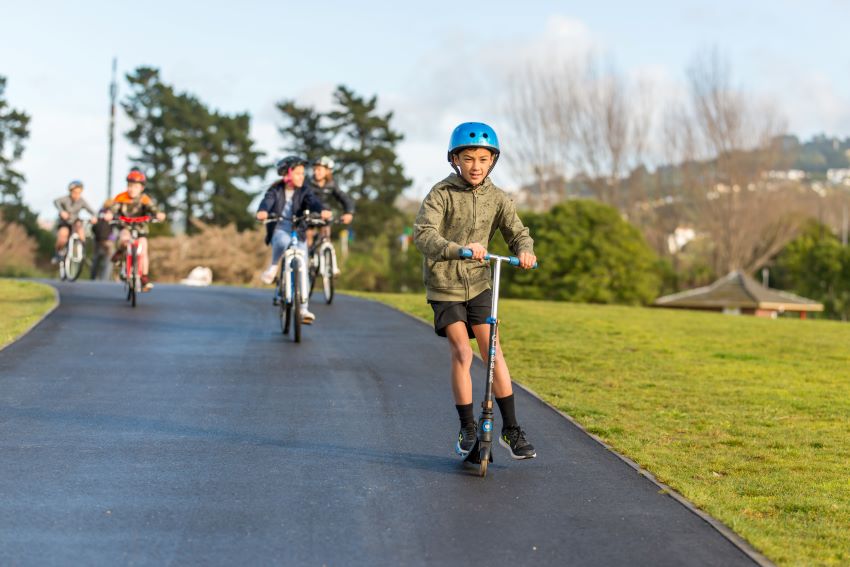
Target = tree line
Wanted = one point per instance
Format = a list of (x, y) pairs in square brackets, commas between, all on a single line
[(581, 130)]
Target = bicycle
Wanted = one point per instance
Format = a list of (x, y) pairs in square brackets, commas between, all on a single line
[(72, 258), (128, 269), (481, 453), (323, 263), (292, 289)]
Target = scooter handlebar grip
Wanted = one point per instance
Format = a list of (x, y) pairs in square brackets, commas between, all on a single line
[(514, 261), (465, 253)]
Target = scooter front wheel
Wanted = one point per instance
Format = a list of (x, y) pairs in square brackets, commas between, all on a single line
[(484, 456)]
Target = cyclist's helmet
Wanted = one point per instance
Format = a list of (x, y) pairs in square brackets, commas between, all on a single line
[(287, 163), (473, 135), (325, 161), (136, 176), (74, 184)]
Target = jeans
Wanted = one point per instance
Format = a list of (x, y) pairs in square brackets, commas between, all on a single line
[(101, 265)]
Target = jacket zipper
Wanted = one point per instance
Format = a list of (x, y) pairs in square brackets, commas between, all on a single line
[(471, 236)]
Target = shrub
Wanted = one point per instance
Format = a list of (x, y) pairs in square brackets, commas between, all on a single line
[(234, 257), (17, 250), (587, 253)]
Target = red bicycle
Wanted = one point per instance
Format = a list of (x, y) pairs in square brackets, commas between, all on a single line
[(129, 267)]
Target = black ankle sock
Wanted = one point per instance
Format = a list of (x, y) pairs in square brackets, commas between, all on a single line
[(464, 412), (506, 408)]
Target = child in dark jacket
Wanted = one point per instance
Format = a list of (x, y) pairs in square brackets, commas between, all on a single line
[(285, 199)]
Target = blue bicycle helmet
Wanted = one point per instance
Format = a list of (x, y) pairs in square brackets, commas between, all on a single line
[(473, 135)]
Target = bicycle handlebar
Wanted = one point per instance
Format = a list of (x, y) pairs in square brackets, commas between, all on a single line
[(122, 220), (132, 220), (313, 219), (512, 260)]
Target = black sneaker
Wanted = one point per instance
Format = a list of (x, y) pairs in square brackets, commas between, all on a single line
[(466, 439), (513, 439)]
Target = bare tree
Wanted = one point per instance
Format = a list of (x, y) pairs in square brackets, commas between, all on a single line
[(580, 119), (724, 144), (539, 115)]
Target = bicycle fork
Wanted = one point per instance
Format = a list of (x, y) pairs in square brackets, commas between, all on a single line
[(290, 258)]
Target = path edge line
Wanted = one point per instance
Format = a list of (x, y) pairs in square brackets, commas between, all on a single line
[(719, 526)]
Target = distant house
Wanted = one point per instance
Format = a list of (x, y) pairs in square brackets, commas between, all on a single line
[(739, 294)]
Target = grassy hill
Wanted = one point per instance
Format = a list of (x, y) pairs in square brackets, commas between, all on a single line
[(748, 418)]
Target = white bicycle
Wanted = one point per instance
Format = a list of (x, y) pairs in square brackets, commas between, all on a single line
[(72, 258), (293, 286), (323, 263)]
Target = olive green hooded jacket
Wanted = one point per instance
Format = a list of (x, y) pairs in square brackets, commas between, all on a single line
[(453, 215)]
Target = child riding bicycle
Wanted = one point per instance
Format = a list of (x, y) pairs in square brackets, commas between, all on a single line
[(70, 207), (133, 203), (464, 211), (288, 198), (325, 188)]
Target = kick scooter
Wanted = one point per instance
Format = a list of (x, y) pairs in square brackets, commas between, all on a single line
[(481, 454)]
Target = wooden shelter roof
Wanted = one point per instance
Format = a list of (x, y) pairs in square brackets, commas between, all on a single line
[(738, 290)]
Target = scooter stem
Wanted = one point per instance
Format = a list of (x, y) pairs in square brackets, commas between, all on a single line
[(486, 420)]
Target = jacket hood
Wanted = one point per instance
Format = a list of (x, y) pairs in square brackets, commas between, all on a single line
[(455, 181)]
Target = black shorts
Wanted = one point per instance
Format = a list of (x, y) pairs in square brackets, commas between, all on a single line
[(472, 312)]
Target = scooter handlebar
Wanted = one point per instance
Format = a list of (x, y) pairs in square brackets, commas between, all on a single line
[(512, 260)]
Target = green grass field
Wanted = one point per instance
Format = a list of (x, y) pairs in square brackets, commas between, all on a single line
[(747, 418), (21, 304)]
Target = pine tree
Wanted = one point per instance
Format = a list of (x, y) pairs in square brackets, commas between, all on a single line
[(231, 161), (196, 158), (153, 133), (370, 169), (303, 131), (14, 130)]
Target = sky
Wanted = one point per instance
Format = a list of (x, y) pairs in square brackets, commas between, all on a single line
[(433, 64)]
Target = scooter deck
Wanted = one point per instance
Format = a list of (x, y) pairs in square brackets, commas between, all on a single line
[(473, 458)]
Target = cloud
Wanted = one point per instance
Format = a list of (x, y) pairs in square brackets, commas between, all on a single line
[(816, 105), (469, 81)]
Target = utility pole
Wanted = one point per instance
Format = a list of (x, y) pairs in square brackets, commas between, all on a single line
[(113, 93), (844, 225)]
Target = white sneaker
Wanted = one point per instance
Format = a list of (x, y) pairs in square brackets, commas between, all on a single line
[(306, 317), (269, 275)]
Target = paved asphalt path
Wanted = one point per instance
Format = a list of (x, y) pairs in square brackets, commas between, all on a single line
[(190, 431)]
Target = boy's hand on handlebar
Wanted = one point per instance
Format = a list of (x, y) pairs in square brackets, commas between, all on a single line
[(347, 218), (527, 260), (160, 216), (262, 215), (326, 215), (478, 251)]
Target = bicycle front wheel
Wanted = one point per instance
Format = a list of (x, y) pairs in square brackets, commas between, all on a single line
[(135, 284), (296, 303), (74, 259), (284, 308), (328, 276)]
